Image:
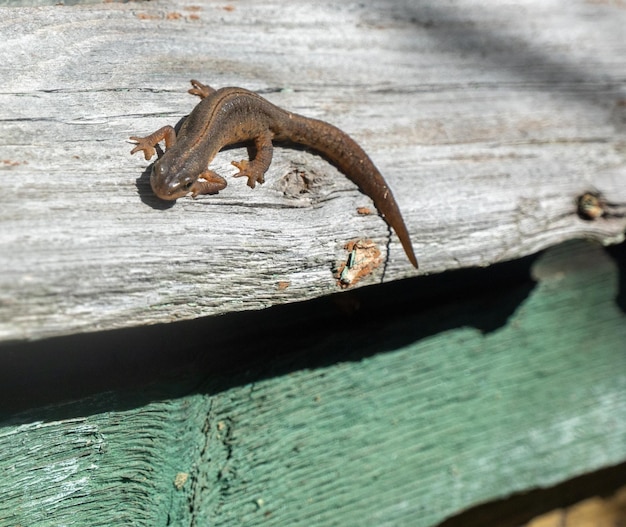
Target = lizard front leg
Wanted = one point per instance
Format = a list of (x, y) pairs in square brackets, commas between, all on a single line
[(148, 143), (255, 169), (208, 182)]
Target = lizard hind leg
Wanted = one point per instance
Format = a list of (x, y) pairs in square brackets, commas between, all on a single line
[(260, 160), (199, 89)]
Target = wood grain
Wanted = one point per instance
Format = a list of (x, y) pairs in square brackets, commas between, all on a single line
[(400, 420), (487, 123)]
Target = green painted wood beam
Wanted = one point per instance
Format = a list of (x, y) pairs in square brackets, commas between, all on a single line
[(405, 420)]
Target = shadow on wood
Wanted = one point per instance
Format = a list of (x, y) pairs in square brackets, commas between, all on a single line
[(226, 350)]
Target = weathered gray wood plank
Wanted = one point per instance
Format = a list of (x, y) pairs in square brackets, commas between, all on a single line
[(487, 121)]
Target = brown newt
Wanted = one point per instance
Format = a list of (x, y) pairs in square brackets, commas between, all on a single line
[(234, 115)]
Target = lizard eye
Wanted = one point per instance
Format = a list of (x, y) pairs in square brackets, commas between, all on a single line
[(187, 185), (157, 170)]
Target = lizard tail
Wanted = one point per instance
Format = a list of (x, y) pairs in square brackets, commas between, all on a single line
[(343, 152)]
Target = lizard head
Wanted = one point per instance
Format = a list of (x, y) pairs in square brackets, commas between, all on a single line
[(169, 183)]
